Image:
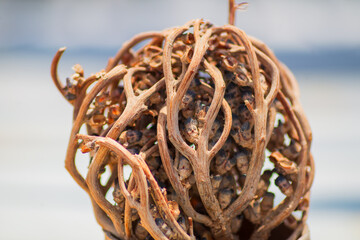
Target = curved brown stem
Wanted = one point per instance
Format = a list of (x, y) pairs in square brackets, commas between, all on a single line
[(142, 207), (199, 158), (174, 99), (54, 72), (279, 213), (137, 163), (232, 10), (227, 122), (181, 192), (127, 210), (101, 217), (260, 118), (129, 44), (82, 93), (73, 145)]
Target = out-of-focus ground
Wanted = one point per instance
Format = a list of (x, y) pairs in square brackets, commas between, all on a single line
[(38, 198)]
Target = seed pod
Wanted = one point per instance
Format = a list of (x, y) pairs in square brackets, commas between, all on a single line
[(164, 227), (188, 98), (241, 78), (215, 182), (189, 111), (241, 71), (114, 113), (220, 161), (156, 62), (130, 137), (188, 38), (70, 90), (216, 136), (174, 208), (264, 183), (141, 85), (153, 163), (96, 124), (191, 131), (249, 97), (267, 203), (200, 111), (155, 99), (161, 174), (233, 89), (140, 232), (229, 76), (78, 70), (245, 131), (235, 135), (236, 124), (229, 146), (154, 212), (277, 137), (134, 150), (303, 204), (147, 134), (185, 168), (291, 222), (87, 147), (266, 175), (182, 222), (117, 195), (232, 100), (224, 197), (243, 136), (242, 161), (102, 100), (228, 181), (244, 113), (230, 63), (284, 166), (252, 212), (214, 128), (230, 163), (284, 185), (292, 151), (151, 51), (188, 55), (179, 47)]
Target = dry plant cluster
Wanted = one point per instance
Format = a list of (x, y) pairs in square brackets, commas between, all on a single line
[(196, 111)]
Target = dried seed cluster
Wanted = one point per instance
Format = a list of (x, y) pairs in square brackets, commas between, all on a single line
[(192, 112)]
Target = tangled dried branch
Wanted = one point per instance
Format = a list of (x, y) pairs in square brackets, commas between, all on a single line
[(195, 112)]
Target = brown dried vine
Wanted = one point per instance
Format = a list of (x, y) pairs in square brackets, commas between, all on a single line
[(192, 112)]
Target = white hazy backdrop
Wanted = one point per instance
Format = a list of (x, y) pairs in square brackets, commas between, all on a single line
[(319, 40)]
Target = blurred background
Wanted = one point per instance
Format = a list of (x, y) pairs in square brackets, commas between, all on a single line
[(318, 40)]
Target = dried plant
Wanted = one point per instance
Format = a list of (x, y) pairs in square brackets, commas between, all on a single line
[(195, 112)]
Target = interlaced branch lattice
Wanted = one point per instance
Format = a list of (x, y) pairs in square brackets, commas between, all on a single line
[(195, 111)]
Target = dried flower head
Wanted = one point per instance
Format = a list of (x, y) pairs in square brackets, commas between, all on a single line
[(191, 112)]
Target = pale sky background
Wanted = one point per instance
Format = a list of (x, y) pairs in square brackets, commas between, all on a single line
[(282, 24)]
